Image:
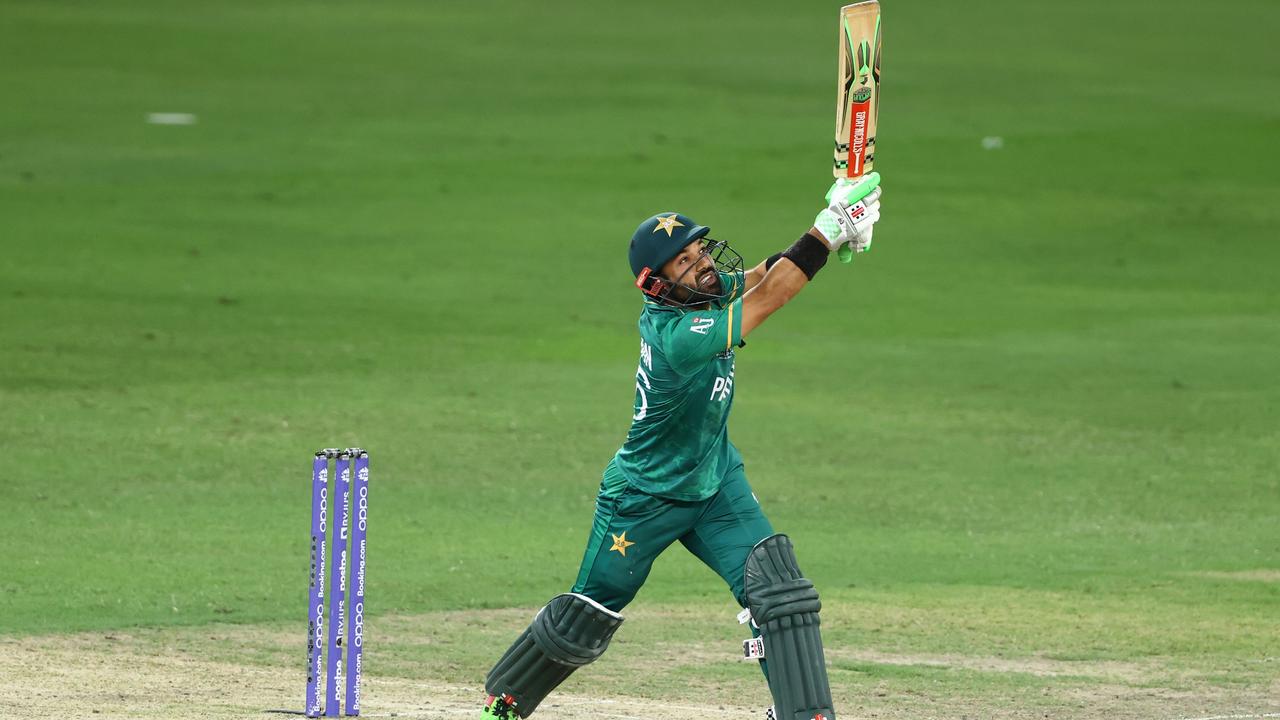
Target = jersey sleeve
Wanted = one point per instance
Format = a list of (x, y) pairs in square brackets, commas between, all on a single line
[(736, 283), (701, 335)]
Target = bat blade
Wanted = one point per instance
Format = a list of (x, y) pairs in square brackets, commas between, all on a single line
[(857, 90)]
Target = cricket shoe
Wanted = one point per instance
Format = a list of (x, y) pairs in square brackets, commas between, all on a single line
[(772, 714), (499, 707)]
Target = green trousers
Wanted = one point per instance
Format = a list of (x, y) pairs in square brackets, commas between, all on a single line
[(631, 530)]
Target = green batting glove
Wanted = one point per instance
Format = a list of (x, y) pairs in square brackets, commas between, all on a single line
[(848, 192)]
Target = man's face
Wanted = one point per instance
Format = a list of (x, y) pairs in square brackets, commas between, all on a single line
[(692, 268)]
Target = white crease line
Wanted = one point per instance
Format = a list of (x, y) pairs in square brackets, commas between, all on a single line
[(1235, 717), (472, 711), (558, 699), (562, 701), (606, 701)]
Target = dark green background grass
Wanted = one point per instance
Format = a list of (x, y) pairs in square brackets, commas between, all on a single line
[(403, 226)]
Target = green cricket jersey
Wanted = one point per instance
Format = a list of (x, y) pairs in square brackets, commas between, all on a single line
[(678, 446)]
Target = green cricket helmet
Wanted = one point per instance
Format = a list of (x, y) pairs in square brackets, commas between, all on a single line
[(661, 238)]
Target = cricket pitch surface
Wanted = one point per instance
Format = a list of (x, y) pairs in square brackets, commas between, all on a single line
[(432, 665)]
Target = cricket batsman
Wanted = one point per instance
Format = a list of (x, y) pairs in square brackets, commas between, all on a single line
[(678, 478)]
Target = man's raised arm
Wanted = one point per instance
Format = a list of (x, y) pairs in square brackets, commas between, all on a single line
[(789, 271)]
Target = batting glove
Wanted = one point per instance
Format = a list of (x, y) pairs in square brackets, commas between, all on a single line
[(849, 224)]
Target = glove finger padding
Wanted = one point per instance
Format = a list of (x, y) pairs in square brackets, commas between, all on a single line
[(866, 206), (845, 190), (862, 244)]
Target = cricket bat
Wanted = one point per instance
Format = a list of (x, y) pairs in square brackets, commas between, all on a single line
[(857, 97)]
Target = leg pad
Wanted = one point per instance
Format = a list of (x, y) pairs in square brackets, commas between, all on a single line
[(785, 606), (571, 631)]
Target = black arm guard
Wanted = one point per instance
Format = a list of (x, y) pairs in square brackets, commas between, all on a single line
[(809, 254)]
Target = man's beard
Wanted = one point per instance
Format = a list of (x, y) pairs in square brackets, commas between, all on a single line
[(704, 290)]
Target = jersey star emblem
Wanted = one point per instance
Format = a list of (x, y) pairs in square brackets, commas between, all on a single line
[(668, 223), (620, 543)]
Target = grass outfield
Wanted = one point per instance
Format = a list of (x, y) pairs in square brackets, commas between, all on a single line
[(1033, 437)]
